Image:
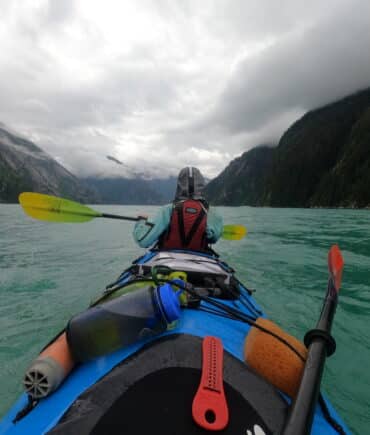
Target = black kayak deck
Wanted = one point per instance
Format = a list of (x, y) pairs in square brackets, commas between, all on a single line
[(152, 392)]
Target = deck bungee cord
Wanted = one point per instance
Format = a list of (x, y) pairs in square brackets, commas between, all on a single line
[(229, 312)]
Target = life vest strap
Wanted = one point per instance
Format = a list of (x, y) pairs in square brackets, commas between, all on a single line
[(179, 210), (194, 228)]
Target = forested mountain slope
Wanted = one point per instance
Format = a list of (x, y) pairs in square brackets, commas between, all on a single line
[(322, 160)]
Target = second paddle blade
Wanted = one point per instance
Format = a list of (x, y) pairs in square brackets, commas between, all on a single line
[(335, 265), (234, 232)]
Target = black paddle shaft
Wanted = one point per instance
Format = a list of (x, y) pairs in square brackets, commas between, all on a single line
[(125, 218), (320, 344)]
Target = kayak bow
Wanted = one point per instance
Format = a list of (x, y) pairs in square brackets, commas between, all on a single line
[(150, 384)]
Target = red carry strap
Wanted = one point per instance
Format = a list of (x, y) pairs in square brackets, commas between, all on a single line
[(210, 409)]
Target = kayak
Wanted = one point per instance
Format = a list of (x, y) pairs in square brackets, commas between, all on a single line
[(162, 382)]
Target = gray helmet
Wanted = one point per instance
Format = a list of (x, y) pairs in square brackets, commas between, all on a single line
[(190, 184)]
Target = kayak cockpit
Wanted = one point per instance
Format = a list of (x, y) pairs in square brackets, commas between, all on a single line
[(152, 392)]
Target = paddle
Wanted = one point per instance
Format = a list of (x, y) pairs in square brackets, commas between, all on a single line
[(320, 344), (53, 209)]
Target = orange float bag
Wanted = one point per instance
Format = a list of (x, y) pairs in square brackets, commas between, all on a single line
[(272, 359), (49, 369)]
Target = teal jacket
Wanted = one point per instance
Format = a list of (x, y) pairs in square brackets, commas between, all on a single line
[(147, 232)]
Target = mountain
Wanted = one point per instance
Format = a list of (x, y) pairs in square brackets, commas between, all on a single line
[(124, 191), (166, 187), (348, 183), (133, 191), (244, 179), (125, 185), (26, 167), (322, 160)]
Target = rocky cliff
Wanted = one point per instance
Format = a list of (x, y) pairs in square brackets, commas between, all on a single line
[(26, 167)]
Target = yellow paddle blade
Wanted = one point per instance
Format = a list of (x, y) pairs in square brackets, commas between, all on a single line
[(234, 232), (52, 209)]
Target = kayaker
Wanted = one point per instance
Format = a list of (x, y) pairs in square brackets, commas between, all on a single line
[(187, 223)]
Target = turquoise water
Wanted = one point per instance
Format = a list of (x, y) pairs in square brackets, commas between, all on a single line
[(50, 271)]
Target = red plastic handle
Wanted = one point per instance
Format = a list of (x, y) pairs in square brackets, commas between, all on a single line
[(210, 409)]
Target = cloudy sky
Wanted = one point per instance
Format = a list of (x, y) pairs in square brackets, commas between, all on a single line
[(163, 84)]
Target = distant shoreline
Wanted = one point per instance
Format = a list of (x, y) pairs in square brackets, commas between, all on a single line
[(220, 205)]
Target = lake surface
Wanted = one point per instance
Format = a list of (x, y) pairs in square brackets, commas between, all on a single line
[(49, 271)]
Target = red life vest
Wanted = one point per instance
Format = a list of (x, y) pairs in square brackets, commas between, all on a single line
[(187, 228)]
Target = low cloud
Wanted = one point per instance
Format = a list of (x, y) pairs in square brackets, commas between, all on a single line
[(305, 69), (166, 84)]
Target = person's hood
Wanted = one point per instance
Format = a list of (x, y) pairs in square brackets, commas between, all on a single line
[(190, 184)]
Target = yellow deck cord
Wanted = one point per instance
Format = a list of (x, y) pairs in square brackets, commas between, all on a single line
[(272, 359), (183, 276)]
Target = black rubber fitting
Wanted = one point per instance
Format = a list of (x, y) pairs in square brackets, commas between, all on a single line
[(331, 345)]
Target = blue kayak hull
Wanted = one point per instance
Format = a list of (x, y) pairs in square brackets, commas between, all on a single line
[(193, 322)]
